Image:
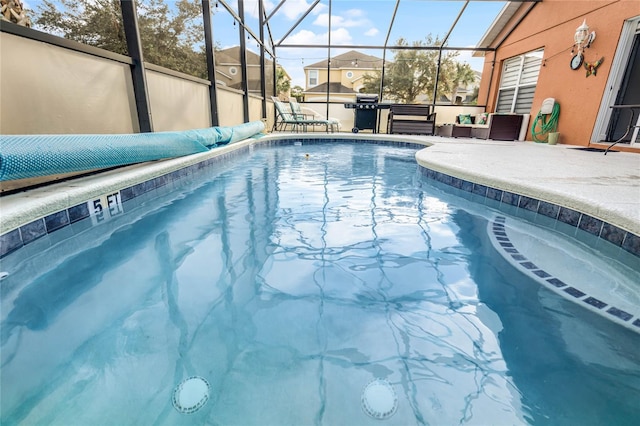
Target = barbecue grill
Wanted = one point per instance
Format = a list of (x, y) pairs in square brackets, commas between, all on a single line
[(365, 112)]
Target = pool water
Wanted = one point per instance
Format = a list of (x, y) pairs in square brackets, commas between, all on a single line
[(289, 281)]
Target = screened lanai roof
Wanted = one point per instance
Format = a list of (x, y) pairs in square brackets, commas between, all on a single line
[(303, 32)]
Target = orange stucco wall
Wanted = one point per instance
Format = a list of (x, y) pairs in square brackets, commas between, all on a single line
[(551, 25)]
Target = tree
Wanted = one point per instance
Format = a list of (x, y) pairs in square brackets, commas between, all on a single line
[(297, 92), (474, 95), (170, 38), (283, 83), (413, 72), (462, 77), (13, 11), (96, 23)]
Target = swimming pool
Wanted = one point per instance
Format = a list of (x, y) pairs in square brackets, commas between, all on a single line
[(289, 281)]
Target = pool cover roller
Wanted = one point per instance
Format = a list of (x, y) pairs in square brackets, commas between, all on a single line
[(27, 156)]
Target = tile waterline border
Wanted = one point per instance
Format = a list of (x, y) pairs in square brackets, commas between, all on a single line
[(619, 237)]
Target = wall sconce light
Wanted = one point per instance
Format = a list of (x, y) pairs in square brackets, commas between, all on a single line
[(583, 38), (355, 63)]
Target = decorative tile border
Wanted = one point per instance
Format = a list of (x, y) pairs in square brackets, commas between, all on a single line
[(611, 233), (501, 241), (30, 232)]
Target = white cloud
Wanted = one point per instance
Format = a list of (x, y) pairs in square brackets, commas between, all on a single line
[(307, 37), (355, 19), (292, 9), (355, 12), (371, 32), (341, 36), (338, 36)]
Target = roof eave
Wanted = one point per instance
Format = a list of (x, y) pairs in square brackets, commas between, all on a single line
[(498, 24)]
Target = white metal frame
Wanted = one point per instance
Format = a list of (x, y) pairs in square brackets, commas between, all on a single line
[(630, 28)]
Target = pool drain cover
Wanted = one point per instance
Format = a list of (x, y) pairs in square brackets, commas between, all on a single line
[(191, 395), (379, 400)]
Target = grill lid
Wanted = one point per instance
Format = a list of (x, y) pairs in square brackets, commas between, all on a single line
[(367, 99)]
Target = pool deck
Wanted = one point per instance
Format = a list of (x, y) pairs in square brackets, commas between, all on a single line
[(606, 187)]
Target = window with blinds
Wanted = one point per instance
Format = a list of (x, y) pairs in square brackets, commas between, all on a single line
[(313, 78), (518, 83)]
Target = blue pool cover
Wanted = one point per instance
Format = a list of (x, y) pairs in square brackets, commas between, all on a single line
[(27, 156)]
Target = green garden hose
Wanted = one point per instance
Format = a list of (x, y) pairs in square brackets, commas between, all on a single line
[(544, 124)]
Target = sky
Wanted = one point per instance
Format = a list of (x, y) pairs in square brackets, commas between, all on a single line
[(357, 22), (353, 22)]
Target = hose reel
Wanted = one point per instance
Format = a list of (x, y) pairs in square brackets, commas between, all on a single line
[(546, 121)]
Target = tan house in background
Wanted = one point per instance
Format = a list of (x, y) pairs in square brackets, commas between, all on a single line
[(228, 70), (345, 78)]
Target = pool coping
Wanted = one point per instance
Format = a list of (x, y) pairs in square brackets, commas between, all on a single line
[(29, 215)]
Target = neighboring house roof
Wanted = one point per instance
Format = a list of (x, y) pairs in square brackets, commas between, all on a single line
[(333, 88), (346, 60), (231, 55), (224, 57), (497, 25)]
